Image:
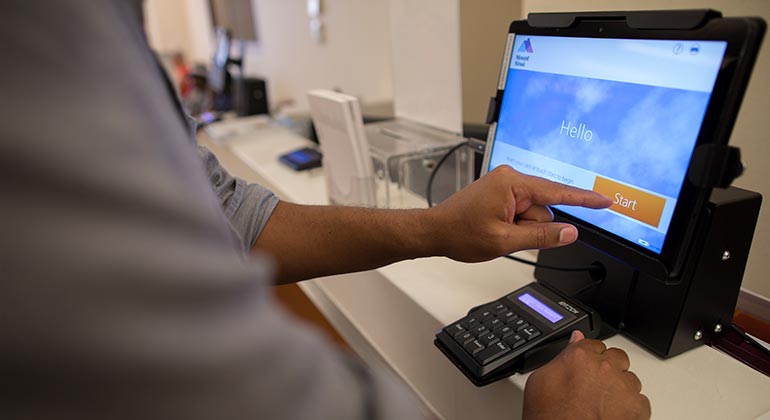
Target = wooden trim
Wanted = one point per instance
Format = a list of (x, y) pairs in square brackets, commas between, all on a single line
[(752, 314), (294, 299)]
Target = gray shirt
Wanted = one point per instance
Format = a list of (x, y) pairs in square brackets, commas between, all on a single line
[(124, 288)]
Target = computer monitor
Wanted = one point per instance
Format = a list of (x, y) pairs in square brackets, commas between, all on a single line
[(620, 110), (218, 75)]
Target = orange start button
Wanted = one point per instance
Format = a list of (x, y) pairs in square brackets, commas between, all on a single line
[(631, 202)]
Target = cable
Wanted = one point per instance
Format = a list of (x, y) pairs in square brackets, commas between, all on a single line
[(552, 267), (429, 197), (450, 152)]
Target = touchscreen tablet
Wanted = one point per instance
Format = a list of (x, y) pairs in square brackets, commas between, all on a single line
[(619, 111)]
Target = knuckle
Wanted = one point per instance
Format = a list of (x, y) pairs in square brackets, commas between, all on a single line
[(633, 381), (504, 169), (579, 353), (642, 408), (541, 237), (606, 367), (620, 355)]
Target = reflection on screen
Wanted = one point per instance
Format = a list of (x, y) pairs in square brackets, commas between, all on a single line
[(618, 116)]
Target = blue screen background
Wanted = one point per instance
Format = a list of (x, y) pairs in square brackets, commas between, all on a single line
[(642, 135)]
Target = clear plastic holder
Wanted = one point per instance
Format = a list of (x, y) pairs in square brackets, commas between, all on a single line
[(361, 191), (405, 152)]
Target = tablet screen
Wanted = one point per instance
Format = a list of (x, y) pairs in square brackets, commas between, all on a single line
[(617, 116)]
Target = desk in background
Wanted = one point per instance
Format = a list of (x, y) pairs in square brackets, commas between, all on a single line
[(389, 316)]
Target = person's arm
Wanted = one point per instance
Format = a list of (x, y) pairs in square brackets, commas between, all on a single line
[(503, 212)]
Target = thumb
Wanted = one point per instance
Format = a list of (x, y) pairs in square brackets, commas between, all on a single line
[(576, 336), (542, 235)]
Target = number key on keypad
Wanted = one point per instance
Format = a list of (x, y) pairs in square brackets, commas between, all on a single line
[(494, 323), (484, 315), (470, 322), (509, 317), (519, 324), (488, 339), (515, 341), (492, 353), (474, 347), (505, 331), (480, 330), (530, 333), (465, 338), (455, 329), (498, 308)]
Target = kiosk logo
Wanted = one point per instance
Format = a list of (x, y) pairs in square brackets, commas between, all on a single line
[(526, 47)]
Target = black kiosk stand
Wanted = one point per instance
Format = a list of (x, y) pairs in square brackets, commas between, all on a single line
[(668, 297), (668, 314)]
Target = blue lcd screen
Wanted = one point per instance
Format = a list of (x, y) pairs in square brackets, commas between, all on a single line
[(540, 307)]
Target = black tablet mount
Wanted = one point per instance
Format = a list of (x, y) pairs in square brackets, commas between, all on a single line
[(667, 314)]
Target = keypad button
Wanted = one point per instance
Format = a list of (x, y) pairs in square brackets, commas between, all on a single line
[(484, 315), (488, 339), (498, 308), (465, 338), (455, 329), (530, 333), (474, 347), (494, 323), (491, 353), (470, 322), (480, 330), (515, 341), (519, 324), (504, 332), (509, 317)]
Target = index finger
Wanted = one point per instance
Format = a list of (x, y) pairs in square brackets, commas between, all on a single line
[(544, 192)]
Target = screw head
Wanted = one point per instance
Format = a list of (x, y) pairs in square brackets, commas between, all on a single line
[(718, 328), (725, 255), (698, 335)]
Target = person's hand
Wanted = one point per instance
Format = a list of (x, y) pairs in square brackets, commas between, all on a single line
[(586, 381), (505, 211)]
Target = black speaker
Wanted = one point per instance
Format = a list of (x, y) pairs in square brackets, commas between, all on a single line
[(251, 97)]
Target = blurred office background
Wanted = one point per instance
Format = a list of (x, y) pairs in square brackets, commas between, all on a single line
[(348, 45)]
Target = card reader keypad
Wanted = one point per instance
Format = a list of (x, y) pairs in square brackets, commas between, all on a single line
[(492, 331), (518, 332)]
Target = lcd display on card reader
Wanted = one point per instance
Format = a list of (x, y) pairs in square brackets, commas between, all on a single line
[(540, 307)]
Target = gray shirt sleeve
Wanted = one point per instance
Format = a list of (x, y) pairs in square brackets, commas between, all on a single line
[(247, 206), (124, 292)]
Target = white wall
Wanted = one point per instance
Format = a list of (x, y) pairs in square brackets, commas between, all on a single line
[(483, 31), (355, 56), (201, 33), (167, 25), (426, 62), (750, 133)]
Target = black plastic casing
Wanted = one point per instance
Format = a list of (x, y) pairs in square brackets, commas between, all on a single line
[(669, 317)]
